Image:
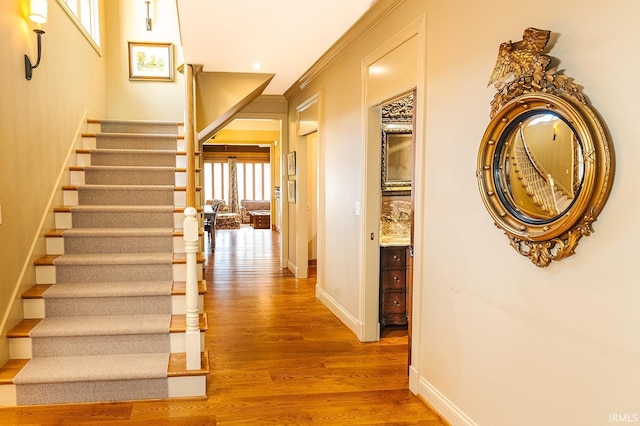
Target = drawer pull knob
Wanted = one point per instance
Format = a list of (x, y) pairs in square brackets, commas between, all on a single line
[(396, 279), (395, 257), (395, 302)]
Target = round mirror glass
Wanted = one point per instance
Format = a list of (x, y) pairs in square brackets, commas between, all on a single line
[(538, 167)]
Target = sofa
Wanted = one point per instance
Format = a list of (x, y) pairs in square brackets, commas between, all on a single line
[(247, 206), (216, 213)]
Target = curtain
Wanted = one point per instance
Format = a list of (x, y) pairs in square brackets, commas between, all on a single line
[(233, 185)]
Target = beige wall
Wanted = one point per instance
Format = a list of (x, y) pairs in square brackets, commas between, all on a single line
[(142, 100), (498, 341), (40, 119)]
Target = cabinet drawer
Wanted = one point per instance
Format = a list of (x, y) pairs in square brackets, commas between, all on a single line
[(394, 319), (394, 279), (393, 257), (394, 302)]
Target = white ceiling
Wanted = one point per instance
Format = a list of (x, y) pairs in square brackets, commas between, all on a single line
[(285, 36)]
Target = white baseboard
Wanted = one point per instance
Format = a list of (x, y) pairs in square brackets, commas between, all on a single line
[(414, 380), (349, 320), (442, 405), (293, 268)]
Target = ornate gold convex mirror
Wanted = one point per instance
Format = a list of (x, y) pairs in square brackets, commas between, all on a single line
[(545, 164)]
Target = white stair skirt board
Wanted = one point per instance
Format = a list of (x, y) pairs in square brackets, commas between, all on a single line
[(178, 244), (181, 179), (178, 220), (179, 342), (179, 304), (187, 386), (180, 272), (180, 198), (181, 161)]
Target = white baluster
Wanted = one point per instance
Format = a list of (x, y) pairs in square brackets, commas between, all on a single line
[(193, 323)]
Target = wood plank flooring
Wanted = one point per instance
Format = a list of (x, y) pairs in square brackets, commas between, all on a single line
[(277, 357)]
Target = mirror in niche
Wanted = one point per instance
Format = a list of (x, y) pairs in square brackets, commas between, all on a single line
[(397, 146), (545, 163)]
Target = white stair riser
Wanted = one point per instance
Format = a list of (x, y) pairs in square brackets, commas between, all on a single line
[(180, 272), (70, 198)]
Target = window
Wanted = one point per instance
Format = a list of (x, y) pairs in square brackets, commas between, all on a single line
[(254, 180), (86, 15)]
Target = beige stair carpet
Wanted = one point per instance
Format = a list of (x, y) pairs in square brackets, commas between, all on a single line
[(105, 335)]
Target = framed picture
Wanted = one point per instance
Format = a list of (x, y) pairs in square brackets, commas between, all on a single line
[(291, 191), (150, 61), (291, 163)]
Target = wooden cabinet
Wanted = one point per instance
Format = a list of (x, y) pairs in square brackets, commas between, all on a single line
[(393, 285)]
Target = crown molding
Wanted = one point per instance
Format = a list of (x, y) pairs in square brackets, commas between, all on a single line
[(366, 23)]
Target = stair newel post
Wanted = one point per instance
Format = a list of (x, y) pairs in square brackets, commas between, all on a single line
[(192, 311)]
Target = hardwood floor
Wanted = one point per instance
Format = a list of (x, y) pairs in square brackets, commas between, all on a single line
[(277, 356)]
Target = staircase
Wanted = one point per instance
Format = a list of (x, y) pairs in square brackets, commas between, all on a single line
[(105, 320)]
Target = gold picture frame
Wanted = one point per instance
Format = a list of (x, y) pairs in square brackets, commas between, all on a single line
[(291, 191), (150, 61), (291, 163)]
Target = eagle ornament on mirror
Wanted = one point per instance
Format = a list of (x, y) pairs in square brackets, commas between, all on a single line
[(545, 163)]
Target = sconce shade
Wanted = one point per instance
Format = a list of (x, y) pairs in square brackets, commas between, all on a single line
[(38, 11)]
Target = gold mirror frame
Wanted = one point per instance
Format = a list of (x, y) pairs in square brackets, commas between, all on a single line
[(533, 89), (397, 146)]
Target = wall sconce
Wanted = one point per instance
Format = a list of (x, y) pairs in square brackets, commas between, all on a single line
[(149, 22), (38, 14)]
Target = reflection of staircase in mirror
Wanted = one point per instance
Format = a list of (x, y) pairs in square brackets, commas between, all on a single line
[(550, 198)]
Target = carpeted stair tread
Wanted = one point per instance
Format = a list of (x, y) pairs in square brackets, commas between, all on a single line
[(93, 368), (112, 168), (125, 187), (118, 232), (102, 325), (122, 209), (133, 151), (114, 259), (158, 127), (108, 289), (126, 194)]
